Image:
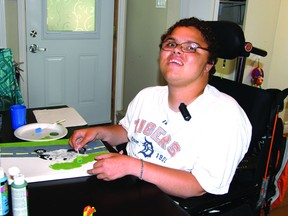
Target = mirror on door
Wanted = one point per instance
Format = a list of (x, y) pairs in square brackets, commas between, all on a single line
[(230, 10)]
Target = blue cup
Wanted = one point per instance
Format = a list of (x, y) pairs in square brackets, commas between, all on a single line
[(18, 116)]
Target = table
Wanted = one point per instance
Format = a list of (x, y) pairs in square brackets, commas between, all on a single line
[(124, 196), (7, 134)]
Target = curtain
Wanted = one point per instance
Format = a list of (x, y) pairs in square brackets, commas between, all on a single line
[(9, 90)]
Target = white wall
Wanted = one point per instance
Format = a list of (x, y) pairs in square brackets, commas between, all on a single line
[(202, 9), (266, 28), (278, 76), (2, 24), (11, 27), (173, 12), (260, 27), (144, 26)]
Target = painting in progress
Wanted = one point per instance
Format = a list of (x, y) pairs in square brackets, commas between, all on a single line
[(44, 161)]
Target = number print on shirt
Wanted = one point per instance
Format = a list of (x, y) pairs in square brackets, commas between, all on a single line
[(161, 158)]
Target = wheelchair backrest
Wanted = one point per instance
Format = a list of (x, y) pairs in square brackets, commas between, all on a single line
[(259, 105)]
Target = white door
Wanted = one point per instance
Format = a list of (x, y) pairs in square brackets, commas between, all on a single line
[(70, 59)]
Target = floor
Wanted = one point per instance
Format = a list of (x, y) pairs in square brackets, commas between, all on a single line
[(282, 209)]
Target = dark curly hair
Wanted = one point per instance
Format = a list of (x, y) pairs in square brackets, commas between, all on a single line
[(207, 33)]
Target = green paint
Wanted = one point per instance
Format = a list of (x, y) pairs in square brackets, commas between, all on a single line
[(79, 159), (75, 163), (54, 134), (46, 137)]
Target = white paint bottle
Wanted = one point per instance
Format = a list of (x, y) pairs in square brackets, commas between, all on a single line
[(19, 196)]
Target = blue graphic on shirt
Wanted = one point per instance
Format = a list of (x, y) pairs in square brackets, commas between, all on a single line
[(148, 149)]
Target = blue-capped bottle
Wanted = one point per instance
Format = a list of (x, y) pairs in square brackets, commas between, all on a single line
[(19, 196), (4, 201)]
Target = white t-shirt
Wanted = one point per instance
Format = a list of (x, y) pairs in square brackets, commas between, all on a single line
[(210, 145)]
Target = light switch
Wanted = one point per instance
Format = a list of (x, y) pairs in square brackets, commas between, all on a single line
[(161, 3)]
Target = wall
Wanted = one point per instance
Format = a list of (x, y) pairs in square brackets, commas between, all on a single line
[(209, 10), (260, 27), (278, 73), (173, 12), (266, 27), (2, 24), (144, 26), (12, 26), (278, 76)]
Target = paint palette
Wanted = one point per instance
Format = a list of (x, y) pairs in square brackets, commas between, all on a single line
[(41, 132)]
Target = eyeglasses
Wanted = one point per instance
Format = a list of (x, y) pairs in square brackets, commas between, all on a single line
[(187, 47)]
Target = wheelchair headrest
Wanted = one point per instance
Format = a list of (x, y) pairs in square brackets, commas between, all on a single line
[(231, 40)]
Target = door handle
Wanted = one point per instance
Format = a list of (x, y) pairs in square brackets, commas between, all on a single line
[(34, 48)]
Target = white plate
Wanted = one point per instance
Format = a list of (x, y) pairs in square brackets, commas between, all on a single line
[(41, 132)]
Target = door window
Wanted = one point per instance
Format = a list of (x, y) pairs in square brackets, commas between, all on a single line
[(71, 19)]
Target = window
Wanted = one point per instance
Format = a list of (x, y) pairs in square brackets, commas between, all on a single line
[(71, 19)]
